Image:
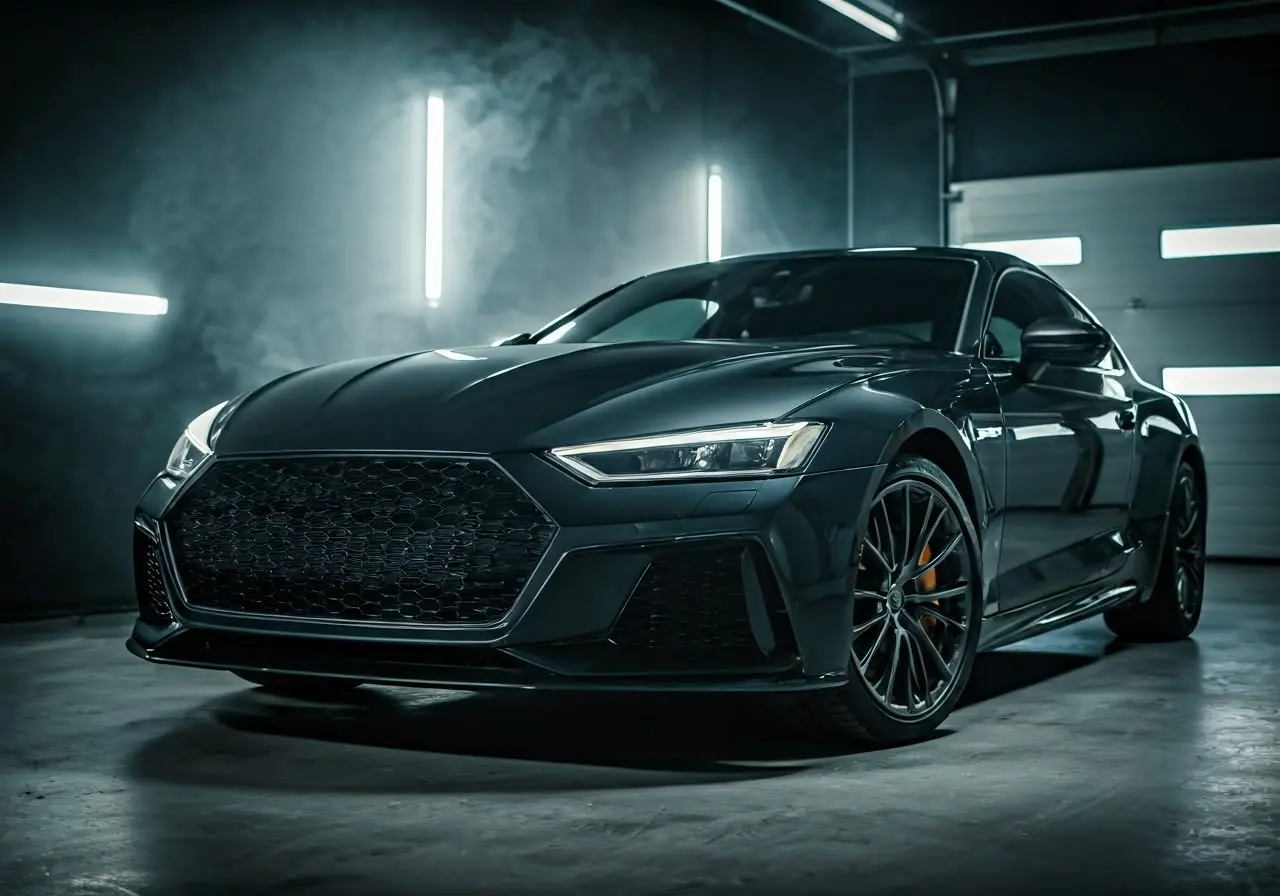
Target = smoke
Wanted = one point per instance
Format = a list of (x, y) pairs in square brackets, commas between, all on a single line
[(279, 205), (524, 111)]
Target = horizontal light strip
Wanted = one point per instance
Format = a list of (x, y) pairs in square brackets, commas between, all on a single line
[(1202, 242), (1048, 252), (1222, 380), (81, 299)]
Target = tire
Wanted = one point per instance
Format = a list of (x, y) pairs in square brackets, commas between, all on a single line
[(305, 687), (857, 710), (1173, 610)]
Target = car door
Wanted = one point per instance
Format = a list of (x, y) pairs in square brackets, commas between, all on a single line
[(1069, 435)]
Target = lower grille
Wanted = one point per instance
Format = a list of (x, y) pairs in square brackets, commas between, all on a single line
[(426, 540), (689, 598), (153, 604)]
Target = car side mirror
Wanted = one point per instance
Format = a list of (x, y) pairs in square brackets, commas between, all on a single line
[(518, 339), (1064, 341)]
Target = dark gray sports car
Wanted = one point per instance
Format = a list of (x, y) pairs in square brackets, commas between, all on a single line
[(832, 474)]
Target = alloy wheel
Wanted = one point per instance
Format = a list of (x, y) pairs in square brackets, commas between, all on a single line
[(1188, 526), (913, 590)]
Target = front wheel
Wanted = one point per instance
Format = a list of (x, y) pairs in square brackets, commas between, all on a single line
[(304, 687), (917, 608)]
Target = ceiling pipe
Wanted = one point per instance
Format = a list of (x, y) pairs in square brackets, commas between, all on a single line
[(944, 75)]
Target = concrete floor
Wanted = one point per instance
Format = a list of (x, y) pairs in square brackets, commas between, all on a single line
[(1073, 765)]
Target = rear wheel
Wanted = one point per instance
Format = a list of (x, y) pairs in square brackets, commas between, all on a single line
[(1173, 610), (305, 687), (916, 588)]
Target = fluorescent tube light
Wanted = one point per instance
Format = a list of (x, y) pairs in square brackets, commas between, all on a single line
[(1222, 380), (81, 299), (1203, 242), (435, 200), (715, 215), (1048, 252), (871, 22)]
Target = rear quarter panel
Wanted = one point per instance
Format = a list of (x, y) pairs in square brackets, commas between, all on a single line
[(1166, 430)]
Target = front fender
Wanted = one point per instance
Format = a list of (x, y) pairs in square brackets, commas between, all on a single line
[(936, 424), (877, 418)]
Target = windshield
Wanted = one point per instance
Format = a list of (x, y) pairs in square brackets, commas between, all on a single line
[(874, 300)]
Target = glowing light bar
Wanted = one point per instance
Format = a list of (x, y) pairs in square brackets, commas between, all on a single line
[(871, 22), (81, 299), (715, 215), (1202, 242), (1048, 252), (435, 200), (1222, 380)]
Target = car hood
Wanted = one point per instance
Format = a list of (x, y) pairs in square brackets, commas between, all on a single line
[(512, 398)]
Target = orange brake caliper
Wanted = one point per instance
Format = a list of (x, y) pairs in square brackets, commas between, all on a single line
[(928, 582)]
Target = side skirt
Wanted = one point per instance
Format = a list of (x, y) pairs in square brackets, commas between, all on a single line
[(1054, 612)]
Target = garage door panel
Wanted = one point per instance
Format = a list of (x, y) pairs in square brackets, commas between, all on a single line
[(1254, 485), (1238, 418), (1027, 213), (1196, 336), (1221, 448), (1197, 312), (1244, 542), (1243, 502), (1190, 196), (1197, 184), (1111, 283)]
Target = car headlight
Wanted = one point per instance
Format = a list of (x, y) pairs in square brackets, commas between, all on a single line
[(195, 445), (764, 449)]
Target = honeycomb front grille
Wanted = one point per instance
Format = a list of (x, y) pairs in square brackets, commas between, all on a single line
[(153, 604), (418, 540), (689, 598)]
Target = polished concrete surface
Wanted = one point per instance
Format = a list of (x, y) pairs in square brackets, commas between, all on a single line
[(1074, 765)]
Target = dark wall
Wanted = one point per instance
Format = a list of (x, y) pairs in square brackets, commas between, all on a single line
[(255, 163), (1171, 105)]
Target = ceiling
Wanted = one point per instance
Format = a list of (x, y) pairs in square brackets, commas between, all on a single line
[(962, 24)]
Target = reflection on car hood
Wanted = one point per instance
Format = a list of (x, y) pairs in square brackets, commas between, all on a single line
[(505, 398)]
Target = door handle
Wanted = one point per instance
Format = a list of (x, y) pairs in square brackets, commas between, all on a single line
[(1127, 419)]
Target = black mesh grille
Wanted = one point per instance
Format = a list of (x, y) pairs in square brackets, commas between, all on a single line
[(689, 598), (153, 606), (361, 539)]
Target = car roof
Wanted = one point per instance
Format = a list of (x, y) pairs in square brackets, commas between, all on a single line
[(997, 260)]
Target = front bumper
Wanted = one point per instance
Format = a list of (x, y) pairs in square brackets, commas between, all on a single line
[(795, 536)]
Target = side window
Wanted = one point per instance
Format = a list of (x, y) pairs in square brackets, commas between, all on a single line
[(1004, 338), (1112, 362), (1021, 300)]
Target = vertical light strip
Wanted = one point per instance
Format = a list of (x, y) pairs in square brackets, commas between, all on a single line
[(1222, 380), (415, 195), (715, 215), (435, 200), (81, 299)]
